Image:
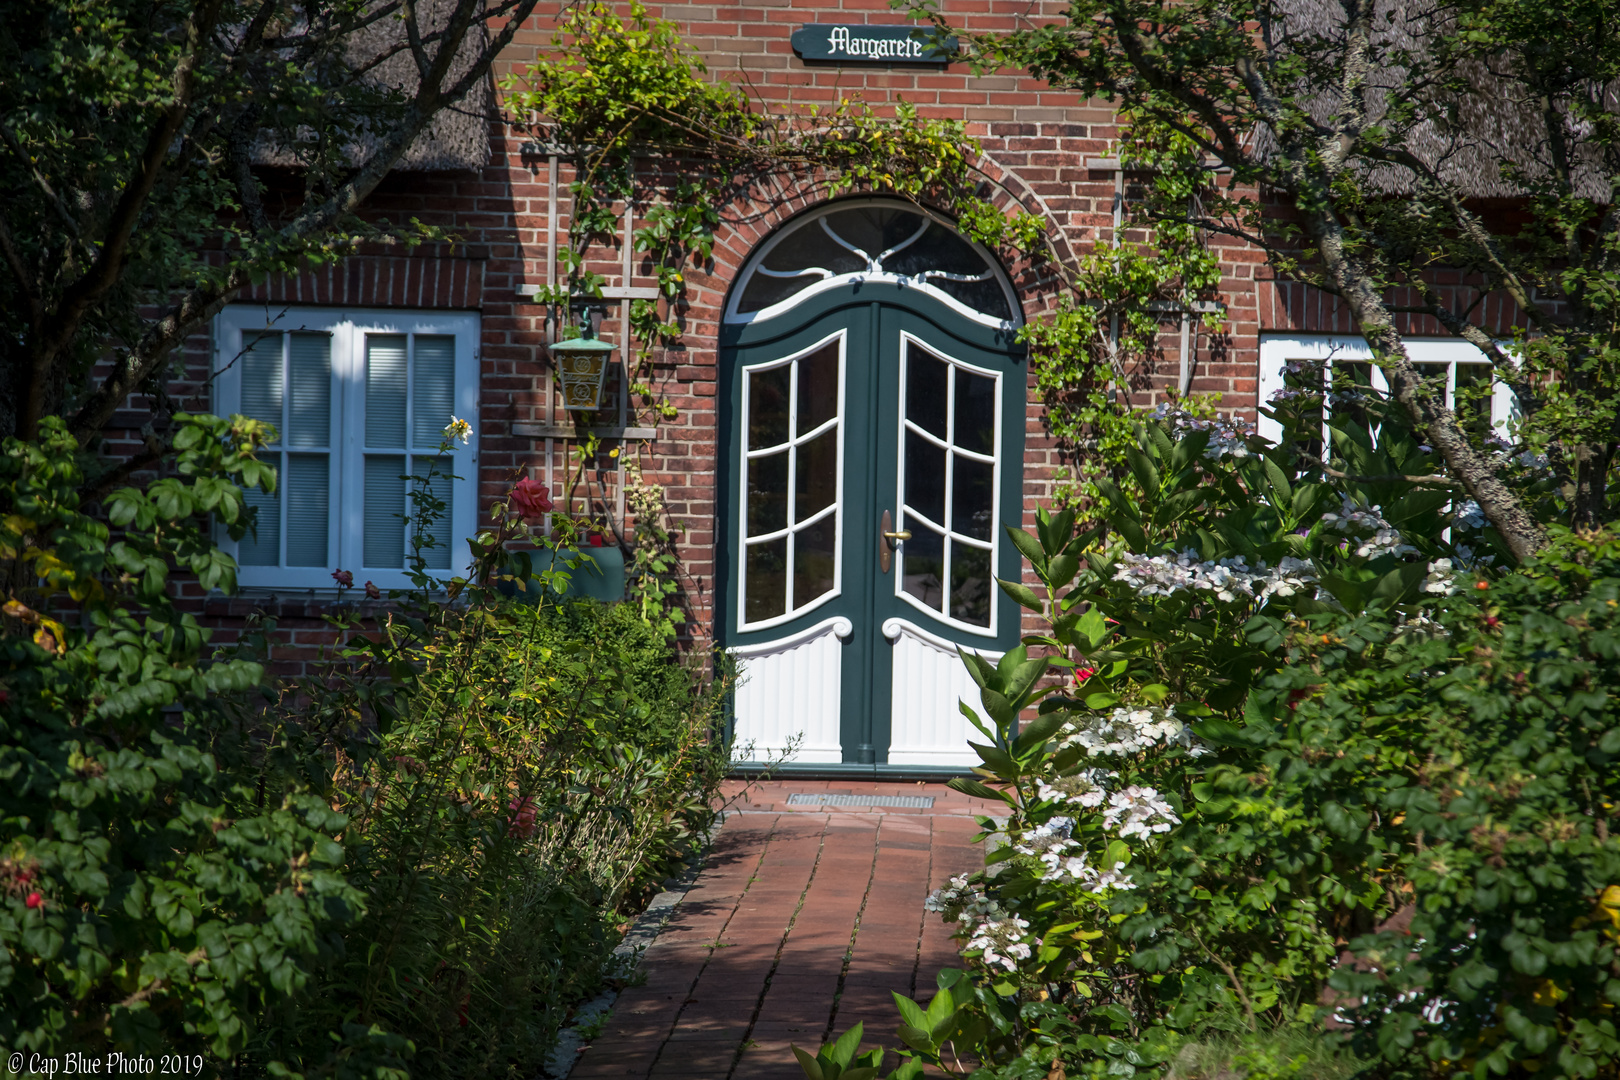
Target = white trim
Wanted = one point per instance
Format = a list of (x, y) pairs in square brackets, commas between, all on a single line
[(894, 626), (840, 626), (950, 535), (861, 277), (791, 448), (831, 281), (1277, 349), (348, 328)]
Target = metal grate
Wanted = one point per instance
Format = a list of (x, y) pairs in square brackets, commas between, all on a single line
[(810, 798)]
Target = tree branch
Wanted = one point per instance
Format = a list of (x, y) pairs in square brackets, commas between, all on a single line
[(104, 273)]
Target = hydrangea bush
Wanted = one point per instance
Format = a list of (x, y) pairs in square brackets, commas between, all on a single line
[(1297, 755)]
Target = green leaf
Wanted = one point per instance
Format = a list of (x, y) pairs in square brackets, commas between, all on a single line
[(969, 786), (1037, 731), (1147, 476), (1029, 547), (811, 1067), (843, 1051), (1279, 483), (1022, 594)]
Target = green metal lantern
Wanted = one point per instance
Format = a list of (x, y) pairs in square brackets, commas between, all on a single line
[(582, 365)]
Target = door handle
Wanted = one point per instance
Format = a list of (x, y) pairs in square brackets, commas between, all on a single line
[(886, 541)]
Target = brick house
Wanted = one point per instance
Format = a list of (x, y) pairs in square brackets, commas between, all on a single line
[(854, 415)]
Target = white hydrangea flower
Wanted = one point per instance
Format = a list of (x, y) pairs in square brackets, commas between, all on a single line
[(1139, 811), (1289, 577), (1125, 730), (1441, 578), (1357, 521), (1003, 941), (1083, 789), (1228, 437), (1227, 579), (1470, 515)]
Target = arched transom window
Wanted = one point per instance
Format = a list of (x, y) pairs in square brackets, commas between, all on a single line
[(855, 241)]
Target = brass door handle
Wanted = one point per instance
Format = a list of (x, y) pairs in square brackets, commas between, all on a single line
[(886, 539)]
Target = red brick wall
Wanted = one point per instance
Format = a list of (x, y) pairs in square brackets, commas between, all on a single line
[(1035, 140)]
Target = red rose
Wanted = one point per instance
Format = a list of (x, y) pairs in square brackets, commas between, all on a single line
[(530, 498), (344, 578), (1083, 674), (35, 900), (596, 539), (523, 814), (372, 592)]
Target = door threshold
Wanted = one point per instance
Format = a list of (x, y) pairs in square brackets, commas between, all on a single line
[(848, 770)]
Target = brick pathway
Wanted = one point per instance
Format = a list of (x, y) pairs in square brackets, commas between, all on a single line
[(802, 921)]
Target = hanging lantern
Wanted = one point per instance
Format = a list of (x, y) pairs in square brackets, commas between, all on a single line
[(582, 365)]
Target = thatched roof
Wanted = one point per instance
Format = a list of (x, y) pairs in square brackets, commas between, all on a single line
[(458, 137), (1495, 123)]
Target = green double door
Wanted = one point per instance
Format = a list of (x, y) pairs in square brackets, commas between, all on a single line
[(871, 451)]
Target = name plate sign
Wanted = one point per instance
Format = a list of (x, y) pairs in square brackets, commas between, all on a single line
[(859, 44)]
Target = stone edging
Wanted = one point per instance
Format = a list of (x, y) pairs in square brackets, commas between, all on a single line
[(642, 933)]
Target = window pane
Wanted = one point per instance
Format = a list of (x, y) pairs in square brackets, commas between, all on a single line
[(922, 564), (768, 407), (308, 483), (1302, 380), (975, 413), (309, 420), (925, 477), (970, 584), (384, 503), (766, 582), (818, 387), (1352, 390), (261, 377), (434, 389), (808, 248), (767, 493), (925, 391), (385, 393), (816, 475), (972, 488), (261, 546), (813, 560), (434, 483)]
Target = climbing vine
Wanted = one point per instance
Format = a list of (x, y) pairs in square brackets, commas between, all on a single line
[(618, 88)]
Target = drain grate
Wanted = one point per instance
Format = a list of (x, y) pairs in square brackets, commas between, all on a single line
[(810, 798)]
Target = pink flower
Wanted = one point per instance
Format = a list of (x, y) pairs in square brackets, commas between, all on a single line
[(523, 815), (530, 498), (344, 579), (35, 900), (1082, 674), (372, 592)]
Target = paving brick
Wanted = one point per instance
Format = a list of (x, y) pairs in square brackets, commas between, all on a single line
[(698, 1002)]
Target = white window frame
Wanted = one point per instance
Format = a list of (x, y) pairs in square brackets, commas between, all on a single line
[(1276, 350), (909, 341), (792, 528), (348, 328)]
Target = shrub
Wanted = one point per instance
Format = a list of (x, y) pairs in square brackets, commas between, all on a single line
[(1310, 760), (155, 900), (515, 775)]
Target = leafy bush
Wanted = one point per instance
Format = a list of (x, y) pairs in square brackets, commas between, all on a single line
[(515, 775), (1304, 759), (413, 861), (155, 900)]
